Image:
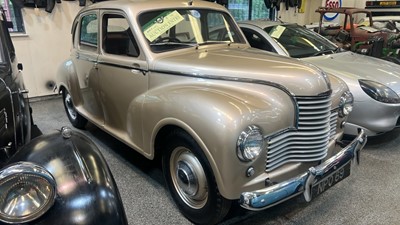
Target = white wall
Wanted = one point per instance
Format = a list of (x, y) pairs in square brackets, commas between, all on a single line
[(309, 15), (46, 45)]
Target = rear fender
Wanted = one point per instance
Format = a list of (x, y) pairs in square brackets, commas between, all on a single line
[(67, 78)]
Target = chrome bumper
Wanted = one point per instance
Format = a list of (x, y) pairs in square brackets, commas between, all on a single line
[(272, 195)]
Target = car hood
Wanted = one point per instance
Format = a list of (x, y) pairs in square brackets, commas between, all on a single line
[(351, 67), (300, 78)]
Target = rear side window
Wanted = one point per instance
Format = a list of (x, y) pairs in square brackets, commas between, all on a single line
[(88, 32)]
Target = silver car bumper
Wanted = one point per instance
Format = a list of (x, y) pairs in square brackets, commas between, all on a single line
[(315, 180)]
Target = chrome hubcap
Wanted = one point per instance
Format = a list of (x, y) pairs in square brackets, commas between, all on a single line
[(188, 178), (70, 106)]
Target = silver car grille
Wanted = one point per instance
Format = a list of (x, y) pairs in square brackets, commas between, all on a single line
[(309, 142)]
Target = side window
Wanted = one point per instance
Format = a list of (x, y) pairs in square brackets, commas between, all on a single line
[(88, 32), (117, 36), (256, 40), (12, 11)]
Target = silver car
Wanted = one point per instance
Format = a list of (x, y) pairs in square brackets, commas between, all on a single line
[(374, 83)]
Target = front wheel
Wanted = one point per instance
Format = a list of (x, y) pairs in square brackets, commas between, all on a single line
[(190, 181), (74, 117)]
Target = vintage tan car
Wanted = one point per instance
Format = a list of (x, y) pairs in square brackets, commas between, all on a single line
[(228, 122)]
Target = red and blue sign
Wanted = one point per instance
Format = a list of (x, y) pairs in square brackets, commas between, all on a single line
[(332, 4)]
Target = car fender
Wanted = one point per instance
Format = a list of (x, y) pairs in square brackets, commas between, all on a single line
[(67, 78), (215, 115), (86, 190)]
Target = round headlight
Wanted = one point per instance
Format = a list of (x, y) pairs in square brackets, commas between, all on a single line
[(250, 143), (346, 104), (379, 92), (27, 191)]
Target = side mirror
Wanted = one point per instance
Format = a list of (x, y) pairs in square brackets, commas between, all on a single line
[(20, 67)]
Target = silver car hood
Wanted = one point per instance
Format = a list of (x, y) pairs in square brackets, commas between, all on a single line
[(231, 62), (351, 67)]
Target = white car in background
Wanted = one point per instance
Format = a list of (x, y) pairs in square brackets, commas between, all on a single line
[(375, 83)]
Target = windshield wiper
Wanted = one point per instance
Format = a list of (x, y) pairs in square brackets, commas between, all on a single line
[(215, 42), (323, 52), (173, 43)]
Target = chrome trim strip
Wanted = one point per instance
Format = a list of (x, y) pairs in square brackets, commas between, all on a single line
[(302, 184)]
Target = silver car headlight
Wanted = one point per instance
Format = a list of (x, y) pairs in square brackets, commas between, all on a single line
[(250, 143), (346, 104), (27, 191), (379, 92)]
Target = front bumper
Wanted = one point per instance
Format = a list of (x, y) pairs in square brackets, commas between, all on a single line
[(302, 184)]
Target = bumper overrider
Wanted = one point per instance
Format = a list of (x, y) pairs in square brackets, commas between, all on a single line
[(313, 182)]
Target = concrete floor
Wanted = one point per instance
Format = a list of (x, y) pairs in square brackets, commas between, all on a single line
[(372, 196)]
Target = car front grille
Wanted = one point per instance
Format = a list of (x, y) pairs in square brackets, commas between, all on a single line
[(309, 142)]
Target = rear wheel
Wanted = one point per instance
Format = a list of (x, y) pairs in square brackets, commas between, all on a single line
[(74, 117), (191, 182)]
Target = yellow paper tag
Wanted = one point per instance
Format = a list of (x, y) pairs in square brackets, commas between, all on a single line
[(277, 32), (161, 24)]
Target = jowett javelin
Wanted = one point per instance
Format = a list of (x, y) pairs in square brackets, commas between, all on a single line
[(227, 121), (374, 83), (58, 178)]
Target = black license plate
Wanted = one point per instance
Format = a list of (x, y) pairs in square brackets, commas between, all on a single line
[(331, 180)]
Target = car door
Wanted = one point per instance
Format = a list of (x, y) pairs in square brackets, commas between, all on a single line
[(122, 70), (84, 56)]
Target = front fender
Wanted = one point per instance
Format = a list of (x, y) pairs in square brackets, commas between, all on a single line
[(215, 115), (86, 190)]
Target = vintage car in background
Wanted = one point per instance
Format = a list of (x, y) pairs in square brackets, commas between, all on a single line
[(227, 121), (380, 42), (374, 83), (59, 178)]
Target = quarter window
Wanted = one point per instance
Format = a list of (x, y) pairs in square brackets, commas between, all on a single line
[(88, 32)]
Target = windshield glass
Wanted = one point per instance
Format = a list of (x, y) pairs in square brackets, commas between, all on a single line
[(300, 42), (168, 30)]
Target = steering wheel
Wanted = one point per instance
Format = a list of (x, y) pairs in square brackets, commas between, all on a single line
[(169, 39)]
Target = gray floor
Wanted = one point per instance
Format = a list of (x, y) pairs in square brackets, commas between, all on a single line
[(372, 196)]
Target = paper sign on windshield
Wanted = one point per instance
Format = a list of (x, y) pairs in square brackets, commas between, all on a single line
[(160, 24), (277, 31)]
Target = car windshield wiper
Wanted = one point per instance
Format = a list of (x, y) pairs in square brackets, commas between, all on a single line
[(173, 43), (327, 51), (215, 42)]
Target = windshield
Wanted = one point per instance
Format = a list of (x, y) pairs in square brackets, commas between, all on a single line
[(168, 30), (300, 42)]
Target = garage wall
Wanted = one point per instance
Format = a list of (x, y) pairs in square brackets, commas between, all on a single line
[(309, 15), (46, 44), (48, 39)]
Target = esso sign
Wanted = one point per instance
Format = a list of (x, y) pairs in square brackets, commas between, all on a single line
[(332, 4)]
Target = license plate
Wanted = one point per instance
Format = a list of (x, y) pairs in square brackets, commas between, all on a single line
[(331, 180)]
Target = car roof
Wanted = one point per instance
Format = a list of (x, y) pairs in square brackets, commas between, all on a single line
[(137, 6), (343, 10)]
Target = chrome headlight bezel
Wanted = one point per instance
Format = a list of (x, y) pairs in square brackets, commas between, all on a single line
[(27, 191), (346, 104), (250, 143), (379, 92)]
